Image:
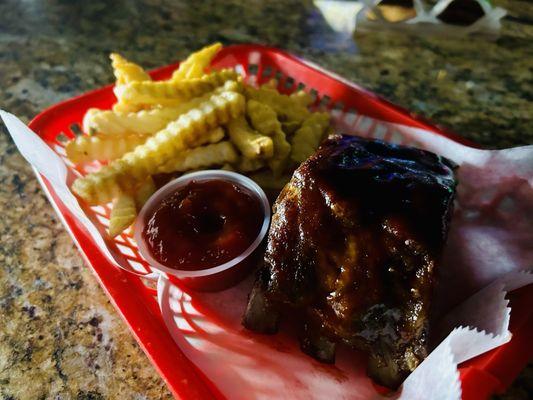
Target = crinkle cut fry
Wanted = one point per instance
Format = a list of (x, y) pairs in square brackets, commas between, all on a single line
[(143, 192), (251, 143), (145, 121), (102, 148), (263, 117), (283, 105), (187, 131), (122, 215), (187, 157), (282, 149), (265, 120), (196, 63), (126, 71), (250, 164), (202, 157), (308, 137), (302, 97), (173, 92), (268, 181)]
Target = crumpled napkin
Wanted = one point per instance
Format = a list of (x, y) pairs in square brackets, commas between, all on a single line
[(47, 162)]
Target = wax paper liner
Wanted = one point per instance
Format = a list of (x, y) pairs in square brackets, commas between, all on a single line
[(488, 253), (426, 20), (47, 163)]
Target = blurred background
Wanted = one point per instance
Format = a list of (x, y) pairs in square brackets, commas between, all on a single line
[(59, 336)]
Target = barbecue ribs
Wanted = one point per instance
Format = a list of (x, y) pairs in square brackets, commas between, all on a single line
[(352, 251)]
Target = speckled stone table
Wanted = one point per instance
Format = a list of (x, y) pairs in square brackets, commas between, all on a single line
[(60, 338)]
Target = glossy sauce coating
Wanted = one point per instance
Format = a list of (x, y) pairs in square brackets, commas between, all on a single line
[(352, 252), (202, 225)]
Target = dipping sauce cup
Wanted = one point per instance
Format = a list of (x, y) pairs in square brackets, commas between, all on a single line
[(190, 219)]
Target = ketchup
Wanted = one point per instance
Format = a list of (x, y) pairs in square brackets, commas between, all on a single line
[(202, 225)]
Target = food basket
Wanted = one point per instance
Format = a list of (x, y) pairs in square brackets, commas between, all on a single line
[(132, 292)]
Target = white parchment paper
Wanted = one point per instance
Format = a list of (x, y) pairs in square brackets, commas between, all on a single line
[(489, 253), (47, 163)]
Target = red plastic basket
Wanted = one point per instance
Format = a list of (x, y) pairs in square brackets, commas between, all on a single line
[(134, 296)]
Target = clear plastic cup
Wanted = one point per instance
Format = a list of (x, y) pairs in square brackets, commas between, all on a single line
[(221, 276)]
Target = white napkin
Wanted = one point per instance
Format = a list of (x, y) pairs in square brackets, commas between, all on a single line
[(47, 163)]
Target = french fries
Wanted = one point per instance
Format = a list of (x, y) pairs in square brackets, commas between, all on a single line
[(282, 149), (196, 119), (126, 71), (143, 122), (250, 164), (302, 97), (122, 215), (172, 92), (283, 105), (265, 120), (250, 142), (262, 117), (202, 157), (269, 181), (289, 127), (308, 136), (102, 186), (194, 66), (143, 192), (102, 148)]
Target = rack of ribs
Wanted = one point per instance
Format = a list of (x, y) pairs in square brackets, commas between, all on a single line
[(353, 250)]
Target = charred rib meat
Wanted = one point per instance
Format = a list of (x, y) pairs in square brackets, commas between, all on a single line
[(352, 251)]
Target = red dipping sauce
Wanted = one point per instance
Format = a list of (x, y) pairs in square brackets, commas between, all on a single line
[(202, 225)]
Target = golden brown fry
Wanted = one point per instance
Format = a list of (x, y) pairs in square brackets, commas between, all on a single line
[(189, 130), (202, 157), (270, 84), (227, 167), (142, 122), (102, 147), (126, 71), (307, 139), (250, 143), (302, 98), (232, 85), (145, 121), (194, 66), (126, 108), (172, 92), (264, 119), (250, 164), (268, 181), (122, 215), (215, 135), (282, 150), (143, 192), (289, 127), (282, 104), (170, 119)]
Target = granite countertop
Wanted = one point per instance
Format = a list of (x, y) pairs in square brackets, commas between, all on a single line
[(60, 338)]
